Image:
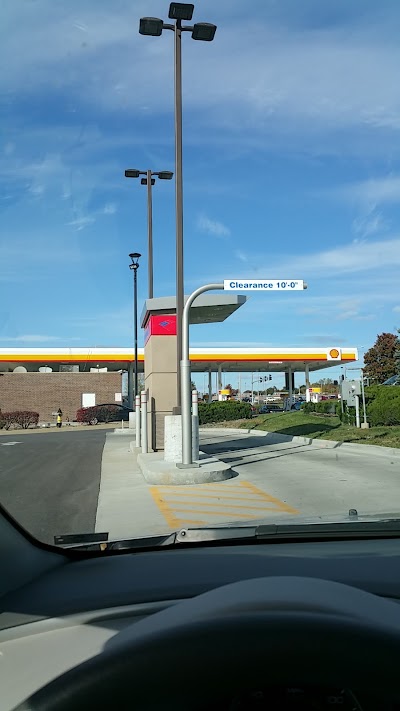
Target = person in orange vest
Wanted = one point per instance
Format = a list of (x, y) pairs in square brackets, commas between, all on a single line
[(59, 417)]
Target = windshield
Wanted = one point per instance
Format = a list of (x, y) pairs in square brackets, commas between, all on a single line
[(199, 265)]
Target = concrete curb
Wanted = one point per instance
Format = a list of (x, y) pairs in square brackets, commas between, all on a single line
[(276, 438), (156, 470)]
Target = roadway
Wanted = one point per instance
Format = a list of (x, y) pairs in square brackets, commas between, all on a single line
[(49, 481), (81, 481)]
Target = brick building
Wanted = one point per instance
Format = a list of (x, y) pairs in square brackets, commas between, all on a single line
[(46, 392)]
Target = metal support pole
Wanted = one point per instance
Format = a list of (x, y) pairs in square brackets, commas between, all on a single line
[(130, 385), (178, 198), (195, 425), (219, 379), (290, 388), (150, 232), (143, 400), (135, 328), (252, 386), (357, 411), (307, 374), (186, 391), (210, 385), (365, 423), (137, 413), (341, 396)]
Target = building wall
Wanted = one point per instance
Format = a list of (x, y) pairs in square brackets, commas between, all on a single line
[(46, 392)]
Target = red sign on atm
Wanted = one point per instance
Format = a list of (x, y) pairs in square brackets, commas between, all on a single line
[(160, 325)]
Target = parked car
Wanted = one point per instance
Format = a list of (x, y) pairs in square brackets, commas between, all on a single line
[(106, 412), (394, 380), (266, 409)]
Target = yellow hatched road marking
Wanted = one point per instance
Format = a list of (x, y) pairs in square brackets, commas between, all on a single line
[(195, 502), (223, 513)]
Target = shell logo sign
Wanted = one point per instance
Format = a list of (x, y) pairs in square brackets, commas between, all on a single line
[(334, 354)]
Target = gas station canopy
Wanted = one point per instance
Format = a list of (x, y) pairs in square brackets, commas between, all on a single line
[(234, 360), (207, 308)]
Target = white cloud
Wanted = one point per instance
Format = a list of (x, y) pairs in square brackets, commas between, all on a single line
[(375, 191), (233, 344), (212, 227), (241, 256), (396, 309), (81, 222), (31, 338), (345, 259), (110, 208), (319, 77), (369, 224)]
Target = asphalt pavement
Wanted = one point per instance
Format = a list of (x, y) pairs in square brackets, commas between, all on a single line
[(84, 481), (315, 479), (49, 481)]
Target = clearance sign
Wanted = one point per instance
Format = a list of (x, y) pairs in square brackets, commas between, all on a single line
[(264, 285)]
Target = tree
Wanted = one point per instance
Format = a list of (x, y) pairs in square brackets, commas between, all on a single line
[(380, 361), (397, 354)]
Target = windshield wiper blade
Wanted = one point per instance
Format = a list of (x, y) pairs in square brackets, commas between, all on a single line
[(101, 542), (289, 532), (389, 528)]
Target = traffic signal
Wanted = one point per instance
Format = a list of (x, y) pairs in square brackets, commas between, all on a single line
[(270, 377)]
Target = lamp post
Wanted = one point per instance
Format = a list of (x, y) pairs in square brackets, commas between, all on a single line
[(149, 180), (204, 31), (135, 256)]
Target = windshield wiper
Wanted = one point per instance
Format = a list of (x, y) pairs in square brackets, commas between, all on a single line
[(353, 530)]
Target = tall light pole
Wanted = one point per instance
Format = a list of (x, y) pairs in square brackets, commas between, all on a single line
[(135, 256), (205, 31), (149, 180)]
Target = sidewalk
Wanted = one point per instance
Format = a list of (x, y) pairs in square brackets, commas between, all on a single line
[(129, 507), (125, 507)]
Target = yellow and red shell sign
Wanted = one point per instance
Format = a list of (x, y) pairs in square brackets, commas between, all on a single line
[(334, 354)]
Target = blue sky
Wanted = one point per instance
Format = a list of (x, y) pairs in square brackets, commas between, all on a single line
[(291, 168)]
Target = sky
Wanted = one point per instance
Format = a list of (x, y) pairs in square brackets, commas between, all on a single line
[(291, 160)]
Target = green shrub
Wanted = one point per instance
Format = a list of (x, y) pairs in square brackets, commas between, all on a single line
[(326, 406), (308, 407), (384, 411), (224, 411), (348, 416)]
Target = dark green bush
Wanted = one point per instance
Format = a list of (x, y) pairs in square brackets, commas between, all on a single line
[(384, 411), (223, 411), (326, 406)]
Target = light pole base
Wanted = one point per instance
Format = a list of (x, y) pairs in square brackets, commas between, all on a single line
[(364, 425), (193, 465)]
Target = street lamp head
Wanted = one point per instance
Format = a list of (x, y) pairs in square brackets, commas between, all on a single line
[(132, 173), (165, 175), (180, 11), (135, 256), (152, 26), (204, 31)]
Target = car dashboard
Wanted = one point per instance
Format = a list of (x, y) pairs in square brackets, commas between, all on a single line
[(80, 608)]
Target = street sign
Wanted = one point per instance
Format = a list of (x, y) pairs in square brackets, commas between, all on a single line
[(264, 285)]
